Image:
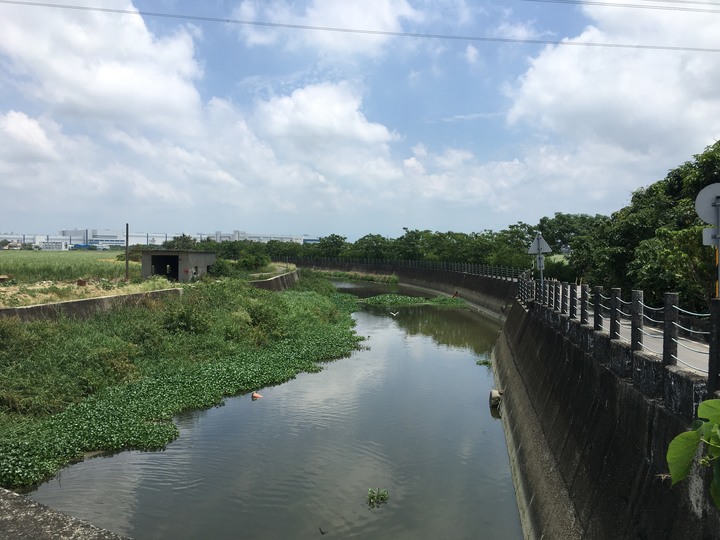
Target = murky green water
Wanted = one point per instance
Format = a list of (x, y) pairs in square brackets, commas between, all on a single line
[(409, 415)]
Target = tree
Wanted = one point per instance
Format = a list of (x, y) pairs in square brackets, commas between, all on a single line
[(278, 250), (675, 260), (182, 242), (331, 246), (411, 246), (560, 230), (370, 246), (510, 246)]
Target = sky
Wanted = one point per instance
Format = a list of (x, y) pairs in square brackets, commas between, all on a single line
[(349, 117)]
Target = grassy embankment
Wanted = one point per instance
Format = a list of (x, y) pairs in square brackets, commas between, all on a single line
[(114, 381), (37, 277), (358, 276)]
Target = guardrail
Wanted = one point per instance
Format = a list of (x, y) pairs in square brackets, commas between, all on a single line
[(662, 331), (499, 272)]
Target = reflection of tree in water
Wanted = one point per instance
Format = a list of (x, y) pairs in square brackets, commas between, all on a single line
[(449, 327)]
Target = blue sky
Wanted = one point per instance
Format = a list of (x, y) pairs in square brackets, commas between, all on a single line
[(185, 125)]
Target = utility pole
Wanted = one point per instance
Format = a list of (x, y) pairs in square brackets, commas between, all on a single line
[(127, 252)]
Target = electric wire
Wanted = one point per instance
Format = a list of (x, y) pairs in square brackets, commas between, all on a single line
[(267, 24), (637, 6)]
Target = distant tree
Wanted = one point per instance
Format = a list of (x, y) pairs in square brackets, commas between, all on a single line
[(182, 242), (559, 231), (278, 250), (412, 245), (331, 246), (510, 246), (370, 246)]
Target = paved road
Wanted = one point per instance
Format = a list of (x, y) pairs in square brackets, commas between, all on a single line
[(691, 355)]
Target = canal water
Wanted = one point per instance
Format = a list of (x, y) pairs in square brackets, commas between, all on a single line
[(408, 414)]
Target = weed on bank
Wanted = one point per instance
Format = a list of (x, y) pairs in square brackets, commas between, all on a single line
[(115, 381)]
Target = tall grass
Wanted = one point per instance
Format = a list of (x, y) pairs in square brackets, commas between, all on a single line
[(114, 381), (32, 266)]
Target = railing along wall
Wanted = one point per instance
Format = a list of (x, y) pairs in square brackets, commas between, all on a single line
[(486, 270), (668, 332)]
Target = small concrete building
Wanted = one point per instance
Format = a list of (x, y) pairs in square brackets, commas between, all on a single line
[(176, 265)]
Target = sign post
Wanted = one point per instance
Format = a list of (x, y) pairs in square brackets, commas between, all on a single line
[(707, 206), (537, 248)]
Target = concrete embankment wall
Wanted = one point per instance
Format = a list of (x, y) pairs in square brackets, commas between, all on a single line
[(588, 425), (277, 283), (90, 306), (83, 308)]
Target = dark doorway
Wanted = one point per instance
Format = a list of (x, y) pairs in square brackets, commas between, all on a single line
[(166, 265)]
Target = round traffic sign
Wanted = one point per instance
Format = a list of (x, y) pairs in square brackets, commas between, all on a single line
[(704, 203)]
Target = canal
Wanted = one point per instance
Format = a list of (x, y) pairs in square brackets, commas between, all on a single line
[(408, 414)]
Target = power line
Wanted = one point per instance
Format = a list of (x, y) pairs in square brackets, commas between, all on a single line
[(640, 6), (390, 33)]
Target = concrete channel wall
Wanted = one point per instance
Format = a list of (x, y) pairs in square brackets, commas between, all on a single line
[(588, 425), (83, 308), (277, 283)]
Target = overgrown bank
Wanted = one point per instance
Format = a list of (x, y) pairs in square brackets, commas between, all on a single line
[(114, 381)]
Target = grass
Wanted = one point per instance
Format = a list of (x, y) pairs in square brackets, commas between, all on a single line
[(359, 276), (33, 266), (396, 300), (115, 381)]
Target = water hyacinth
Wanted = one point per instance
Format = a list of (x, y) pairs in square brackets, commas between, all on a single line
[(114, 381)]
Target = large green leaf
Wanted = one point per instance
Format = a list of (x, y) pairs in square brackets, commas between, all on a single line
[(715, 484), (710, 409), (680, 454), (713, 442)]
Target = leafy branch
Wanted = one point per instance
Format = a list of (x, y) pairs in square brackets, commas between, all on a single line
[(683, 448)]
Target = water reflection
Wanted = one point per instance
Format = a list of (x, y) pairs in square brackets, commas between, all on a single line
[(448, 327), (408, 415)]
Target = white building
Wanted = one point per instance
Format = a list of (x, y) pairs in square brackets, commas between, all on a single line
[(102, 238)]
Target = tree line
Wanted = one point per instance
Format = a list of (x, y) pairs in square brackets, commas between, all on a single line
[(653, 244)]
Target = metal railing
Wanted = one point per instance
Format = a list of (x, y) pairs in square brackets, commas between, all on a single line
[(487, 270), (658, 330)]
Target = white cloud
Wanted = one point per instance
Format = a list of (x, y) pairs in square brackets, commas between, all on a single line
[(471, 54), (612, 120), (106, 66), (102, 118), (24, 139), (378, 16), (322, 127)]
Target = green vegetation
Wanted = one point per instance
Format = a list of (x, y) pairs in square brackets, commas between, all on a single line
[(33, 266), (396, 300), (655, 243), (377, 497), (358, 276), (114, 381), (683, 448)]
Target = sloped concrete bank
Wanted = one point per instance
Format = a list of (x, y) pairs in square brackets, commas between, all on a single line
[(25, 519), (83, 308), (587, 444), (277, 283)]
